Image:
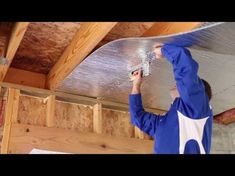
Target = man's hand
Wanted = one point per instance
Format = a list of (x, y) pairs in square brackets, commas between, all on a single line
[(158, 51), (137, 82)]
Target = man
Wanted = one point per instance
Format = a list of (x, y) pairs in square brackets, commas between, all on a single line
[(187, 127)]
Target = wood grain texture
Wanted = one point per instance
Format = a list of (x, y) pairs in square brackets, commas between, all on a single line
[(9, 117), (71, 97), (73, 116), (86, 38), (32, 111), (5, 30), (26, 137), (167, 28), (117, 123), (1, 136), (97, 118), (43, 44), (23, 77), (16, 36), (140, 134), (50, 114), (126, 29)]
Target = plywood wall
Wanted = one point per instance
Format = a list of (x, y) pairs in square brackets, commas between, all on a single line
[(73, 116), (31, 111), (26, 137), (117, 123), (72, 129)]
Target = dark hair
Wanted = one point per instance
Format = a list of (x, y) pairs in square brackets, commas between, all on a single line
[(207, 89)]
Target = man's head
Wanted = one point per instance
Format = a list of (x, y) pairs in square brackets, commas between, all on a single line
[(207, 89), (174, 93)]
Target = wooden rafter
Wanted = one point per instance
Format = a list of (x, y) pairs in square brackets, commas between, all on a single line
[(86, 38), (16, 36), (75, 98), (167, 28)]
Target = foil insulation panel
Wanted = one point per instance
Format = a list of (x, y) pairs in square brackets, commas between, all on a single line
[(104, 73)]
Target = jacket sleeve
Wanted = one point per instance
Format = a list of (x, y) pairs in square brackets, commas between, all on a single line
[(145, 121), (185, 68)]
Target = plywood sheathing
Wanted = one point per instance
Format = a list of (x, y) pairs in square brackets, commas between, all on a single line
[(32, 111), (116, 123), (73, 116), (126, 29), (43, 44), (5, 30)]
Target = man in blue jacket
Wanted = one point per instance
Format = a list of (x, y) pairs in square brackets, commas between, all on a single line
[(187, 127)]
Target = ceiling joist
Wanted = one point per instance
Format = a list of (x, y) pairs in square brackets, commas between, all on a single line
[(84, 41), (167, 28), (16, 36)]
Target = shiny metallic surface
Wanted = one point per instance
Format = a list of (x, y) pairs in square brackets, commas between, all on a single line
[(104, 73)]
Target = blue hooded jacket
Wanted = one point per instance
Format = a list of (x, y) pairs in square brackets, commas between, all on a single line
[(187, 127)]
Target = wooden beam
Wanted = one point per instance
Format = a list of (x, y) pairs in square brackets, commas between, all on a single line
[(13, 44), (15, 105), (11, 113), (167, 28), (87, 37), (97, 118), (5, 30), (27, 78), (74, 98), (26, 137), (50, 114)]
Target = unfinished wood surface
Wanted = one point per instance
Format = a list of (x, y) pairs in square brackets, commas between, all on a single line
[(74, 98), (167, 28), (97, 118), (26, 137), (86, 38), (50, 114), (3, 100), (43, 44), (16, 36), (73, 116), (16, 100), (5, 30), (126, 29), (138, 133), (1, 136), (117, 123), (2, 110), (9, 117), (23, 77), (32, 111)]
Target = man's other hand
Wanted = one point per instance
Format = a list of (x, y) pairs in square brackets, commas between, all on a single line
[(158, 51), (137, 82)]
